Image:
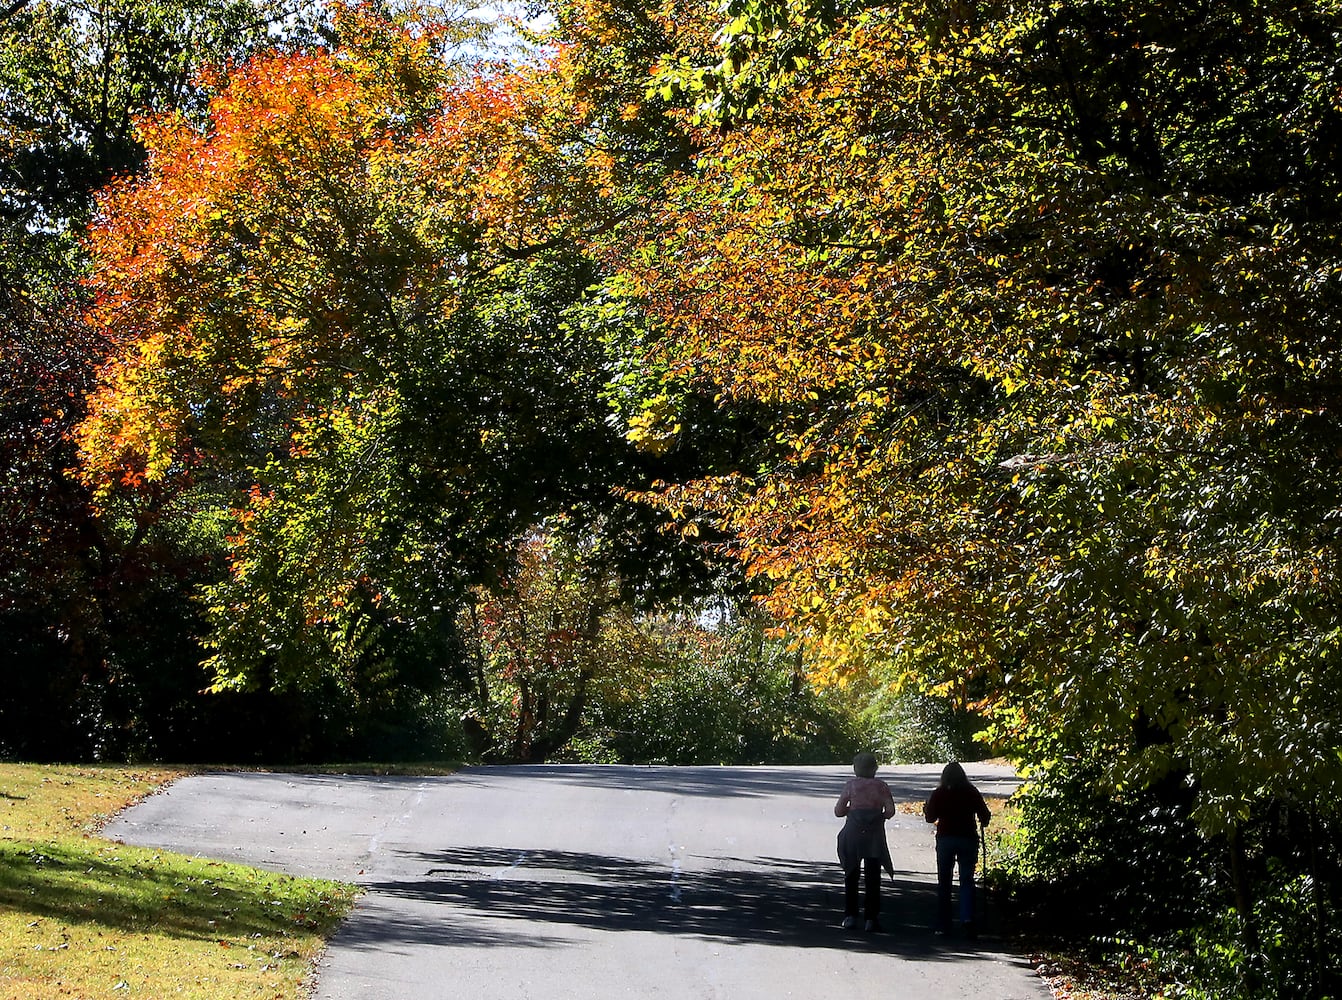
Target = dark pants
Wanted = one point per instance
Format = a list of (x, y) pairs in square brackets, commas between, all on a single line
[(953, 852), (872, 904)]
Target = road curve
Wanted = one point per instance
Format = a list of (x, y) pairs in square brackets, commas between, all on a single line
[(593, 882)]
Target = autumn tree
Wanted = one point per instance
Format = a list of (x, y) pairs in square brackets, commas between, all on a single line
[(352, 302), (549, 640), (564, 666), (77, 75), (1044, 301), (81, 597)]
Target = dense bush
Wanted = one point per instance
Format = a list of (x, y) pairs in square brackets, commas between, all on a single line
[(720, 690), (920, 729), (1087, 864), (730, 713), (1129, 876), (1287, 948)]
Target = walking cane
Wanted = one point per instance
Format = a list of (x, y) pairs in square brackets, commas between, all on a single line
[(981, 903)]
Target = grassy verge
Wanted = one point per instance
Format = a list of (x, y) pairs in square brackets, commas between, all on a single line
[(83, 917)]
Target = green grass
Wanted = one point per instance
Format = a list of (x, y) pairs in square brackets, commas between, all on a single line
[(83, 917)]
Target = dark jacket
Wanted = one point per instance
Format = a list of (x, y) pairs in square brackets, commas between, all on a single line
[(955, 809), (863, 836)]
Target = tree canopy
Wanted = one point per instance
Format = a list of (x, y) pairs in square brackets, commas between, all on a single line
[(1045, 297), (995, 342), (992, 347), (350, 300), (82, 597)]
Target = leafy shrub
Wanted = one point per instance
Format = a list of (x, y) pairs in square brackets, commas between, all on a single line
[(920, 729), (720, 690), (1290, 952), (1087, 865), (730, 712), (1130, 876)]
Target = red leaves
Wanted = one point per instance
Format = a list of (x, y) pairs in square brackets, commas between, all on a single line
[(259, 254)]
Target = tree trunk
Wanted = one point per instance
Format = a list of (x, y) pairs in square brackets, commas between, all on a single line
[(1240, 882)]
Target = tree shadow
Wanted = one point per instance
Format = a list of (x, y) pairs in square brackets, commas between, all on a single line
[(720, 782), (763, 781), (183, 897), (470, 896), (737, 782)]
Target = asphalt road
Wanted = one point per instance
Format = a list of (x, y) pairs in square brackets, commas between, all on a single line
[(594, 882)]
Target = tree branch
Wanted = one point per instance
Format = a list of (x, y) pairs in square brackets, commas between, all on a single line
[(13, 9)]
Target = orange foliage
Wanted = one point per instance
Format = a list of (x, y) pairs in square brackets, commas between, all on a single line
[(262, 253)]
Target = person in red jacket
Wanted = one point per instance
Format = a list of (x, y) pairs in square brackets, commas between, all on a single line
[(953, 806)]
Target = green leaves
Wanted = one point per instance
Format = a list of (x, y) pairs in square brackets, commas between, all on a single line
[(1040, 366), (349, 301)]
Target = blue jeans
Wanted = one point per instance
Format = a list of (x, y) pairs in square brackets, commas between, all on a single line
[(951, 851)]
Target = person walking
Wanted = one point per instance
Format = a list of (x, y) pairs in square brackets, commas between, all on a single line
[(953, 806), (864, 804)]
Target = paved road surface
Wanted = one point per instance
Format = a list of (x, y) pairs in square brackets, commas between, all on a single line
[(594, 883)]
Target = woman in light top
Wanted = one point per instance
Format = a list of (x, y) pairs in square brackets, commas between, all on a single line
[(865, 804)]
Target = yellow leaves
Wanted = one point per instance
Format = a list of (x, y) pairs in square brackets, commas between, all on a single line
[(131, 434), (655, 428)]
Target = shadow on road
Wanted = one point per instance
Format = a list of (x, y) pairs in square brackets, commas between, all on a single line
[(808, 781), (710, 781), (468, 897), (731, 782)]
